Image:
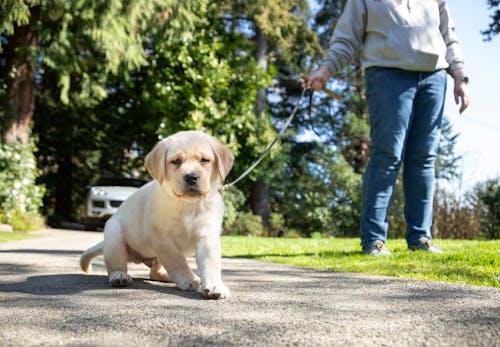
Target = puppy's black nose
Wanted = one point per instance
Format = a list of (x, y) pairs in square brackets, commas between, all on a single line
[(191, 179)]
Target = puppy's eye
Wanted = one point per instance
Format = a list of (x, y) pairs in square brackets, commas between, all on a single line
[(176, 162), (204, 161)]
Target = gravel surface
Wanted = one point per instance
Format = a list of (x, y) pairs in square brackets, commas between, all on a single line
[(45, 300)]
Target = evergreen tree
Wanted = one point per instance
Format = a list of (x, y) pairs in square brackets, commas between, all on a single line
[(85, 42), (494, 26)]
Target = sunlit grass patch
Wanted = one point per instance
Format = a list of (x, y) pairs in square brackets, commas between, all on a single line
[(469, 262), (15, 236)]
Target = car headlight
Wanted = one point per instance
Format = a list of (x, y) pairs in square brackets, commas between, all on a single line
[(97, 191)]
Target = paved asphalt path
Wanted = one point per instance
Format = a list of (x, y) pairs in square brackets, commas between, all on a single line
[(45, 300)]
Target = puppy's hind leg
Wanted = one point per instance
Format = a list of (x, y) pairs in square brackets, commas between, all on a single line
[(116, 255), (158, 272)]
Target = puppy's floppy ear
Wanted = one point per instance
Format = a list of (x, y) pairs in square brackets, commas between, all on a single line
[(224, 157), (156, 161)]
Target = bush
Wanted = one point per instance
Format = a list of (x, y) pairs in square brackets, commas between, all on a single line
[(292, 233), (233, 202), (237, 222), (488, 203), (278, 225), (248, 224), (20, 196), (455, 217), (26, 221), (317, 235)]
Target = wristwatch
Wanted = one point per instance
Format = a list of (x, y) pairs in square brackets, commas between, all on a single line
[(463, 79)]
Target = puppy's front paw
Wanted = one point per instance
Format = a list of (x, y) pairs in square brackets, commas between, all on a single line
[(185, 283), (119, 279), (215, 291)]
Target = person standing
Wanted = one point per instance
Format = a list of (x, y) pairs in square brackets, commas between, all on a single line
[(406, 48)]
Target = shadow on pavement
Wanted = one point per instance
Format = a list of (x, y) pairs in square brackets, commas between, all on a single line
[(42, 251), (68, 284)]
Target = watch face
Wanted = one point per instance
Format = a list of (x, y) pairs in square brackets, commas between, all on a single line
[(465, 79)]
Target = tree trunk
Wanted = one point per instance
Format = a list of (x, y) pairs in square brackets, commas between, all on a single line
[(63, 191), (19, 73), (261, 58), (260, 199)]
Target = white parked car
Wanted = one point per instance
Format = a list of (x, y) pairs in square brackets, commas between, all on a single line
[(105, 197)]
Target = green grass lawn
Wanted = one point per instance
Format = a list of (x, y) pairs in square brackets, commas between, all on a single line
[(14, 236), (469, 262)]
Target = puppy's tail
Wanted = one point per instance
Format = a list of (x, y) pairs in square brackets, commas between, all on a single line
[(90, 254)]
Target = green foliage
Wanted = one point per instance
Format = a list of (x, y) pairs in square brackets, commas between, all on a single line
[(20, 196), (494, 26), (248, 224), (447, 163), (239, 222), (468, 262), (321, 192), (277, 224), (14, 13), (283, 23), (201, 81), (25, 221), (488, 203), (317, 235), (353, 140), (86, 42), (15, 236), (95, 40), (234, 200)]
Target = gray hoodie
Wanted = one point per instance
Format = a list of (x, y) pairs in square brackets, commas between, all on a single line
[(417, 35)]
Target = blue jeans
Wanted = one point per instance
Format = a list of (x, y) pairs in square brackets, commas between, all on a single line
[(406, 109)]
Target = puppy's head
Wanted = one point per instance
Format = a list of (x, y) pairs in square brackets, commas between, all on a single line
[(190, 164)]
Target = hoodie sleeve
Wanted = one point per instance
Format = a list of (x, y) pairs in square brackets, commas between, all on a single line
[(347, 37), (454, 55)]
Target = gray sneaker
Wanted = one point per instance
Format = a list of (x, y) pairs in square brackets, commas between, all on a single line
[(425, 244), (376, 249)]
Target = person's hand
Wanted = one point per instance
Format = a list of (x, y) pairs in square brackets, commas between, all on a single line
[(462, 94), (317, 79), (461, 90)]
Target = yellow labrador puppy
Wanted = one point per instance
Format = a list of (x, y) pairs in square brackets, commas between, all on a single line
[(177, 214)]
